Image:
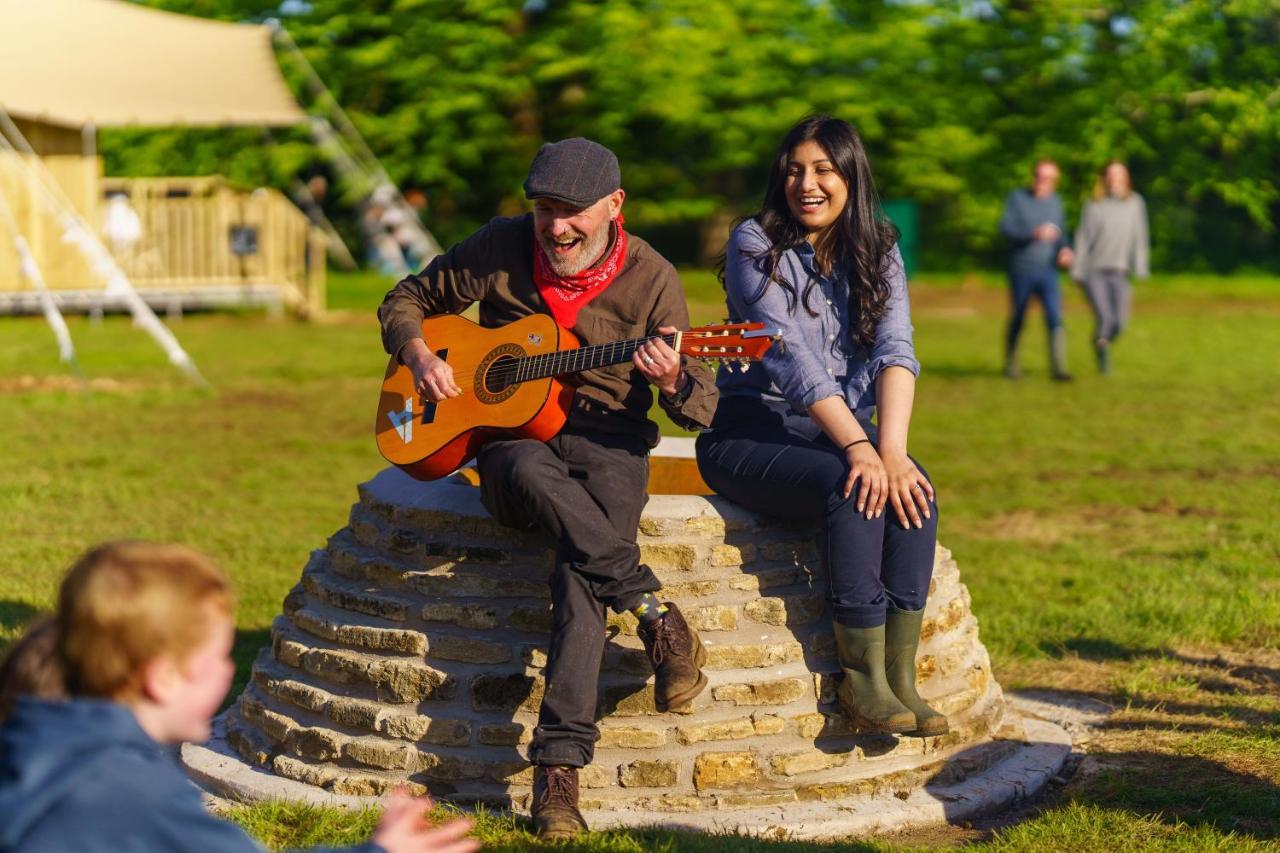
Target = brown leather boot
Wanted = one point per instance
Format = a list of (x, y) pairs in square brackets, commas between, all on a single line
[(677, 656), (555, 803)]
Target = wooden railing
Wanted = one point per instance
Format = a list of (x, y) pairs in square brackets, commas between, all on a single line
[(197, 232), (201, 242)]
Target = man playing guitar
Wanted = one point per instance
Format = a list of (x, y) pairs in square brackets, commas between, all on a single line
[(585, 488)]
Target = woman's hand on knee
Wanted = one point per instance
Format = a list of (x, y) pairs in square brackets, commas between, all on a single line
[(867, 470), (910, 493)]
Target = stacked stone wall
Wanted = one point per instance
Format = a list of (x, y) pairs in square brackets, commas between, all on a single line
[(412, 651)]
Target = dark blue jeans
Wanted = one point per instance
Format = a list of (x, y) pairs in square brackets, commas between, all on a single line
[(1041, 283), (780, 464)]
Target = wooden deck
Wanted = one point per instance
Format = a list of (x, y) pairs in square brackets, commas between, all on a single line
[(203, 244)]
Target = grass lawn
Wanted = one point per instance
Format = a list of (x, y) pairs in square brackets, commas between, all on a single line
[(1118, 535)]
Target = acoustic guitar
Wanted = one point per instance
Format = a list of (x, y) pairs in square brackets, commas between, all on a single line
[(511, 384)]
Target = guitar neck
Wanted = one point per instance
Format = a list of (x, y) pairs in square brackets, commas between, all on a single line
[(560, 362)]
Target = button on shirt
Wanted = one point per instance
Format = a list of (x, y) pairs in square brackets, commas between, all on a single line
[(817, 357)]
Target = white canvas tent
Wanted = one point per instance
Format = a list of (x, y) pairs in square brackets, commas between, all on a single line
[(68, 67), (109, 63)]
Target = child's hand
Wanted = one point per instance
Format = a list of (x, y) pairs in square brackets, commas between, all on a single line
[(404, 829)]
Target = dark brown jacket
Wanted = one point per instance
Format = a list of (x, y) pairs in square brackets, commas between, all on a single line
[(494, 267)]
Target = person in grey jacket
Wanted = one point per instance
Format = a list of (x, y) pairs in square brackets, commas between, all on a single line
[(1036, 230), (1113, 243)]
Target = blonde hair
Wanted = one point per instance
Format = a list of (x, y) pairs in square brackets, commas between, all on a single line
[(124, 604), (1100, 186)]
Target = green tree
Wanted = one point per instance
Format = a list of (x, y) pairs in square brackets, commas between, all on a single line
[(954, 98)]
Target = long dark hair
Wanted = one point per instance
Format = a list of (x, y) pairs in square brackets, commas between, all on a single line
[(862, 235)]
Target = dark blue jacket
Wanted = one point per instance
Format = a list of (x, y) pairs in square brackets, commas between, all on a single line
[(83, 777), (1023, 212)]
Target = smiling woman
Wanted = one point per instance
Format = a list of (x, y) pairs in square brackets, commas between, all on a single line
[(816, 192), (793, 437)]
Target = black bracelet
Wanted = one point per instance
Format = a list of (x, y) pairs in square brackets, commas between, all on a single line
[(845, 449)]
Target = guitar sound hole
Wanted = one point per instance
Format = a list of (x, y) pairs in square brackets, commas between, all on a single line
[(495, 378), (501, 375)]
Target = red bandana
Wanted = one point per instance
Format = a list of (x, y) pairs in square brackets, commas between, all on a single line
[(566, 294)]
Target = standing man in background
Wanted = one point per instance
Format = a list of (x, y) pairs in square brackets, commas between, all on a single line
[(1035, 227)]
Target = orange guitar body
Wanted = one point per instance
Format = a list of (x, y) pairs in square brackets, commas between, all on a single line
[(429, 440)]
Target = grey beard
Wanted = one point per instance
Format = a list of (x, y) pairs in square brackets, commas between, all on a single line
[(592, 249)]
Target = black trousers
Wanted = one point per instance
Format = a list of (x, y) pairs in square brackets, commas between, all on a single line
[(586, 492), (777, 463)]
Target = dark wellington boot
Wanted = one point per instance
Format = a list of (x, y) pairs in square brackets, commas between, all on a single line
[(1011, 368), (677, 656), (555, 803), (901, 640), (864, 694), (1058, 355)]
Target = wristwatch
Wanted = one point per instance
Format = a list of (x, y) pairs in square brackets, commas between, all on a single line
[(682, 394)]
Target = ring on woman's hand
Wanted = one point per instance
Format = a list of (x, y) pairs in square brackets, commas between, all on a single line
[(918, 486), (648, 359)]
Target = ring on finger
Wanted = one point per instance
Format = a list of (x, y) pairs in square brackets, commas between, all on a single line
[(648, 359)]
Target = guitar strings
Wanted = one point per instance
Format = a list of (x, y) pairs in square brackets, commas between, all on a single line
[(514, 363), (507, 370)]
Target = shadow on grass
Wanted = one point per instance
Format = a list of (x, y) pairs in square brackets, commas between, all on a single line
[(1181, 738), (15, 616), (248, 642), (972, 371), (1265, 678), (1196, 791)]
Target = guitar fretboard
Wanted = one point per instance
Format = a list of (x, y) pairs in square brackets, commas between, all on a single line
[(570, 361)]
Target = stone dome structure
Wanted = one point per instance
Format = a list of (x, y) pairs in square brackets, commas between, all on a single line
[(411, 651)]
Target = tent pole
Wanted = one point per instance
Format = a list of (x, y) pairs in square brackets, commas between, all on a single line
[(302, 196), (31, 271), (77, 232), (364, 158)]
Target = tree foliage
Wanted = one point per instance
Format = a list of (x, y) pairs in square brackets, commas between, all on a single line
[(954, 98)]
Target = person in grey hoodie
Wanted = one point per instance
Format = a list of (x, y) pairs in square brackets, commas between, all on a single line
[(1036, 230), (1113, 243), (142, 641)]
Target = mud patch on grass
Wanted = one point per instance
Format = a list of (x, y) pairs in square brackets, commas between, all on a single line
[(63, 384)]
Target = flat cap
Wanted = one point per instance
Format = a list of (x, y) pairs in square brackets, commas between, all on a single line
[(576, 171)]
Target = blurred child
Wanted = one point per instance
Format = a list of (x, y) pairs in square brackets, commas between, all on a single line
[(31, 668), (143, 637)]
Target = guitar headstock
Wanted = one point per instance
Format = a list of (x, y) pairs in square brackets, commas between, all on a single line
[(740, 342)]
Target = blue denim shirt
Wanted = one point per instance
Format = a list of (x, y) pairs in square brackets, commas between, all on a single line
[(817, 358)]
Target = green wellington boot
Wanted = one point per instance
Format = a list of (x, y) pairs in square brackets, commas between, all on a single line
[(865, 694), (1102, 349), (901, 639), (1011, 368)]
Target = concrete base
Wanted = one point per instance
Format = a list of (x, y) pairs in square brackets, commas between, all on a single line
[(220, 772)]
